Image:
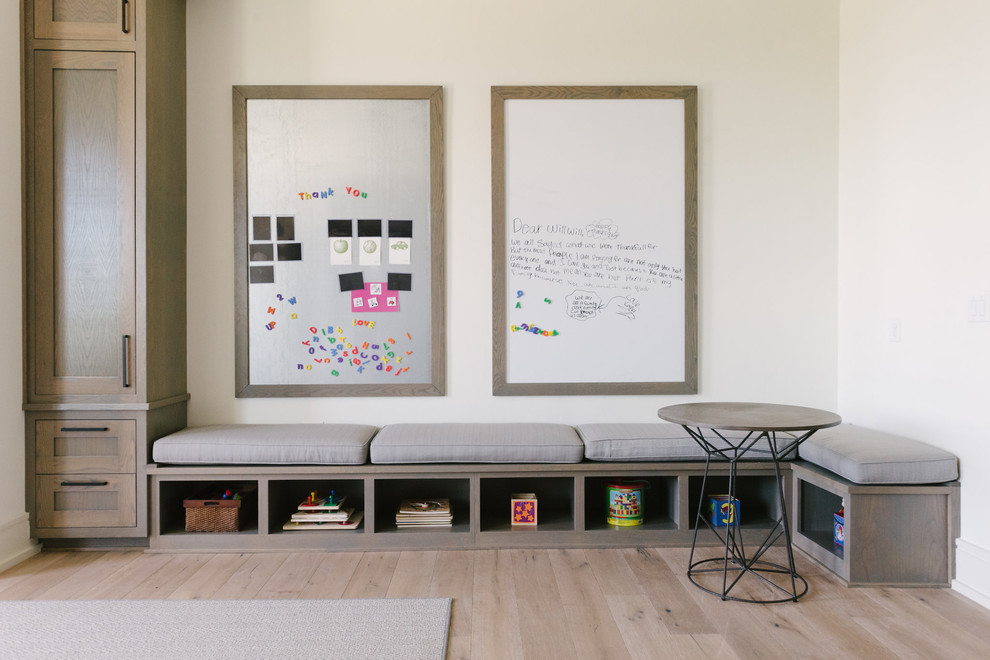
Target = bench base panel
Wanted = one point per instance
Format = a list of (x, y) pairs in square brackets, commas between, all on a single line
[(895, 535)]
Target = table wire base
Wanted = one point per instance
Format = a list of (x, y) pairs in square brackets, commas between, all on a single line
[(736, 563)]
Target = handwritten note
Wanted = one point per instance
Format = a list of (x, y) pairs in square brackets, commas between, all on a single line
[(590, 257)]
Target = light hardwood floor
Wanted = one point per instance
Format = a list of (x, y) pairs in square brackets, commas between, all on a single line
[(543, 604)]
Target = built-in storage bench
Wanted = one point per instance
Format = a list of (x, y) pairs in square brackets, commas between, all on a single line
[(572, 504), (901, 507), (901, 496), (478, 467)]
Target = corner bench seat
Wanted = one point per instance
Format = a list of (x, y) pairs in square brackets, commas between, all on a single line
[(267, 444), (901, 501), (866, 456)]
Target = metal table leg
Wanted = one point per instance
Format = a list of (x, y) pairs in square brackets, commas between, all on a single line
[(735, 562)]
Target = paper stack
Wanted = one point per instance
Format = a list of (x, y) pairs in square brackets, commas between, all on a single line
[(424, 513)]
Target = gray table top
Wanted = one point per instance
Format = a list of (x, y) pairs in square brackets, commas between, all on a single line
[(749, 416)]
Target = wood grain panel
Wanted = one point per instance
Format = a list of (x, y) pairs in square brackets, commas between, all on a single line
[(86, 19), (68, 446), (82, 252), (99, 500)]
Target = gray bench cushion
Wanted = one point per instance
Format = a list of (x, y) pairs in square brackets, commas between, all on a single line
[(477, 443), (654, 441), (267, 444), (865, 456)]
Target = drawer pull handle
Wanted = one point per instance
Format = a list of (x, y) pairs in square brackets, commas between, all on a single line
[(123, 16), (85, 483), (85, 429)]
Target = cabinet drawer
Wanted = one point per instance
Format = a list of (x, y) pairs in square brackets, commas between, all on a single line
[(110, 20), (93, 500), (83, 446)]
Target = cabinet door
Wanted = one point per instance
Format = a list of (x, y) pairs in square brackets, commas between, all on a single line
[(104, 20), (82, 249)]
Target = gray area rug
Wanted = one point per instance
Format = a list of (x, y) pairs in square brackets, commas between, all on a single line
[(406, 628)]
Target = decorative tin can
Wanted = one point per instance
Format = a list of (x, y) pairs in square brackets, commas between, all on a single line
[(839, 529), (625, 503)]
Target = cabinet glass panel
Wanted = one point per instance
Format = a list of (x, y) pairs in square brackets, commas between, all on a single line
[(90, 11), (285, 496), (390, 493), (619, 502), (817, 519), (174, 493), (554, 509), (88, 272)]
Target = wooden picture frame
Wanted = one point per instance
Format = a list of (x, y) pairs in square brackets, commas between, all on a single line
[(594, 235), (339, 241)]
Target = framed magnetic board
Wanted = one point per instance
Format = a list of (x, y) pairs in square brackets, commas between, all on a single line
[(338, 226), (594, 209)]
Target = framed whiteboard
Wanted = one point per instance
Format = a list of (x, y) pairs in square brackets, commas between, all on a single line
[(338, 225), (594, 205)]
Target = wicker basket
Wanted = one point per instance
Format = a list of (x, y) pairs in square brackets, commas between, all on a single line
[(217, 515)]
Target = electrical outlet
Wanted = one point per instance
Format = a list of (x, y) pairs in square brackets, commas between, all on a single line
[(978, 310), (894, 330)]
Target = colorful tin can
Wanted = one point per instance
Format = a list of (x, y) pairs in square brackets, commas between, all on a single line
[(625, 503)]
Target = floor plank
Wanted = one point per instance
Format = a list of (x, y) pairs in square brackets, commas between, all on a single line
[(168, 578), (330, 578), (495, 616), (126, 578), (210, 577), (544, 604), (413, 574), (592, 628), (291, 577), (542, 617), (53, 575), (372, 575), (250, 577), (453, 577)]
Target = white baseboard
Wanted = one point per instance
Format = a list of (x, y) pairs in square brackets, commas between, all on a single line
[(16, 544), (972, 572)]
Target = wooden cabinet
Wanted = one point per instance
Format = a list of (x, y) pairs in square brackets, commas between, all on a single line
[(104, 109), (85, 474), (82, 262), (107, 20)]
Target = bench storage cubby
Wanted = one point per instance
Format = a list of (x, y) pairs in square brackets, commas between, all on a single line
[(572, 504)]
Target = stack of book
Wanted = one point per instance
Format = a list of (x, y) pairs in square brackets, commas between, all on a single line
[(424, 513), (324, 513)]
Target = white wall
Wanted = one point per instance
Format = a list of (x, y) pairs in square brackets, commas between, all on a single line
[(14, 531), (768, 78), (767, 72), (914, 230)]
